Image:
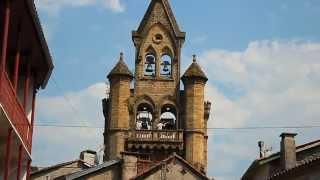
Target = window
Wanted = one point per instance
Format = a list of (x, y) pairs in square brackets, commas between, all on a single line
[(150, 65), (144, 117), (166, 66), (157, 38), (168, 118)]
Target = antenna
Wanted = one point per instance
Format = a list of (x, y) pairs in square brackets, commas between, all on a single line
[(264, 150), (100, 154)]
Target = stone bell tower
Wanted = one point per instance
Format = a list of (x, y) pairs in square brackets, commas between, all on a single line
[(156, 118)]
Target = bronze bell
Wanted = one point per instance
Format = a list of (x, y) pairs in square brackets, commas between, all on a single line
[(149, 68), (165, 66)]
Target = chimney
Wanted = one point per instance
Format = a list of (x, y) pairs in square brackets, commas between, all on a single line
[(288, 156), (89, 157)]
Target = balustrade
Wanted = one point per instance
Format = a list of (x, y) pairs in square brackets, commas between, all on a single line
[(15, 111), (157, 135)]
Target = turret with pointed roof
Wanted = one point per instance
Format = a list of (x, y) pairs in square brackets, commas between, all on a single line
[(120, 69), (116, 109), (194, 71)]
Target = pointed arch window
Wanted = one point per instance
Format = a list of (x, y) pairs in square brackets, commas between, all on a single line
[(150, 65), (168, 118), (166, 66), (144, 117)]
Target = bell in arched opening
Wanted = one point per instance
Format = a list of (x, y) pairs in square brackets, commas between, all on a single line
[(150, 65), (166, 66), (168, 118), (144, 117)]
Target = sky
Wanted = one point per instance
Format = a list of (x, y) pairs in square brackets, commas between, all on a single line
[(262, 59)]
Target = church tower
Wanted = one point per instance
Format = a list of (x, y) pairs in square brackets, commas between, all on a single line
[(156, 118)]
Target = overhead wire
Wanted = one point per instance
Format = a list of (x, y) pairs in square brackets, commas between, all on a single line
[(70, 103), (209, 128), (85, 125)]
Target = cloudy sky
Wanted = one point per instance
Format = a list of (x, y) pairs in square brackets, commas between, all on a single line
[(262, 59)]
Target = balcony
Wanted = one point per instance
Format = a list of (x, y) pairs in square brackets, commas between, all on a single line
[(155, 138), (15, 111)]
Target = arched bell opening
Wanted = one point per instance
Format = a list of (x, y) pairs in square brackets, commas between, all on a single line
[(144, 117), (166, 66), (168, 118), (150, 64)]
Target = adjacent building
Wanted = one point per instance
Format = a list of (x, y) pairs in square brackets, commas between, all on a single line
[(291, 163), (25, 67), (86, 160)]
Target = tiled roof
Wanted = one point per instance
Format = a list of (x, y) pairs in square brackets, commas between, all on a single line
[(308, 161), (194, 71), (120, 69), (259, 162)]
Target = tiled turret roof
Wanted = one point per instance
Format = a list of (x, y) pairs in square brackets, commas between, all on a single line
[(120, 69), (194, 71)]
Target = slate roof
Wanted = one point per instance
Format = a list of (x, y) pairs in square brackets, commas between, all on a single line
[(167, 161), (194, 71), (120, 69)]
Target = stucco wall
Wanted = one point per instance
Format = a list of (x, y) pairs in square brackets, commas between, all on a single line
[(173, 172)]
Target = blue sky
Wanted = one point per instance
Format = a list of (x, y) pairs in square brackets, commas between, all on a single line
[(262, 59)]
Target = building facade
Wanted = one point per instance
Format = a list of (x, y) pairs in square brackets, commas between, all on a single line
[(291, 163), (25, 67), (148, 113), (87, 160)]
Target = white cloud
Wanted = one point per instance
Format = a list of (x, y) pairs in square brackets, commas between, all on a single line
[(73, 108), (270, 83), (54, 6)]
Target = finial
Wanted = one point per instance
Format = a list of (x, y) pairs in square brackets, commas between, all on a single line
[(121, 56), (194, 58)]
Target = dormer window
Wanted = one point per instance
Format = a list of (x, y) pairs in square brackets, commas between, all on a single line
[(150, 65)]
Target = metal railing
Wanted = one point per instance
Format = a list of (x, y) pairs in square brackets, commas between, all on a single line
[(14, 110)]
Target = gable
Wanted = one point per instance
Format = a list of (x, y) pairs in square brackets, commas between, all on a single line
[(157, 15), (159, 12), (173, 171), (175, 167)]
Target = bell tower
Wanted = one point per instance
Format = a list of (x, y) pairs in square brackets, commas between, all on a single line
[(158, 42), (156, 118)]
